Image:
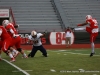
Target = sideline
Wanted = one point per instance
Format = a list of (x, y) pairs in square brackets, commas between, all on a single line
[(16, 67)]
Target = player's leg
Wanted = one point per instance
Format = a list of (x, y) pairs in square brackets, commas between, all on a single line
[(92, 39), (81, 28), (89, 30), (69, 41), (66, 41), (30, 52), (18, 47), (22, 52), (33, 52), (14, 52), (43, 50), (5, 47)]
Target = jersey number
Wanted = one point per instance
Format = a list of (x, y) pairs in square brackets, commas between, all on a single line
[(95, 22)]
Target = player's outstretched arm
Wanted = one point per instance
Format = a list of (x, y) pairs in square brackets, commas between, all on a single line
[(82, 24)]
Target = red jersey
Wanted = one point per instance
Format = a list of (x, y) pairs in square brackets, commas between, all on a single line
[(4, 34), (11, 26), (93, 23)]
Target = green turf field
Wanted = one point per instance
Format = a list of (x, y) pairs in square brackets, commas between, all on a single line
[(58, 62)]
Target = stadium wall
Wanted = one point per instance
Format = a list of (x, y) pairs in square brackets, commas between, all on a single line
[(56, 40)]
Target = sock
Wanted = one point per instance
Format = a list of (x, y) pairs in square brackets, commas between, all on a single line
[(10, 55), (92, 46), (14, 52), (80, 28)]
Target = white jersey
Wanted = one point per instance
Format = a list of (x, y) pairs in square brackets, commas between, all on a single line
[(38, 39), (68, 34)]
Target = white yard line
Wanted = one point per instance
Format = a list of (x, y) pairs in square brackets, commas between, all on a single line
[(16, 67), (24, 70), (52, 70), (80, 53), (72, 52)]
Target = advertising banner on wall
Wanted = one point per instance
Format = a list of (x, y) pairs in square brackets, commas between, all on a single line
[(4, 13), (58, 38), (44, 40), (51, 38)]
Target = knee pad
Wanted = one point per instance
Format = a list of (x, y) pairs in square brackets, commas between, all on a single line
[(19, 49)]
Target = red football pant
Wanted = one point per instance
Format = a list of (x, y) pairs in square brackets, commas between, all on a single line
[(16, 42), (92, 35), (6, 44)]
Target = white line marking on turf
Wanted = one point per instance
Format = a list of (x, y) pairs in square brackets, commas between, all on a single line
[(52, 70), (71, 52), (62, 50), (65, 54), (80, 53), (80, 50), (81, 69), (28, 51), (16, 67), (24, 70), (94, 74)]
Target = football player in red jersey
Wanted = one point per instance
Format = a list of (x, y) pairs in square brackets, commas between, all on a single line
[(92, 29), (6, 42), (15, 37)]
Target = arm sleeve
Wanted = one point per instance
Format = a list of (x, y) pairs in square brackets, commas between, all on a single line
[(11, 31), (0, 32), (40, 34), (30, 37)]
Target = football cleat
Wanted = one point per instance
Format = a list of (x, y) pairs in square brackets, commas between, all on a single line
[(12, 60), (45, 55), (24, 56), (91, 54), (29, 55)]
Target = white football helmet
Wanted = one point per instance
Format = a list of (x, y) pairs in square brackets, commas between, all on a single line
[(33, 33), (88, 17), (5, 22)]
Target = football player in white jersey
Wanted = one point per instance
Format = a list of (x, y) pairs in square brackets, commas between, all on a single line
[(37, 44)]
